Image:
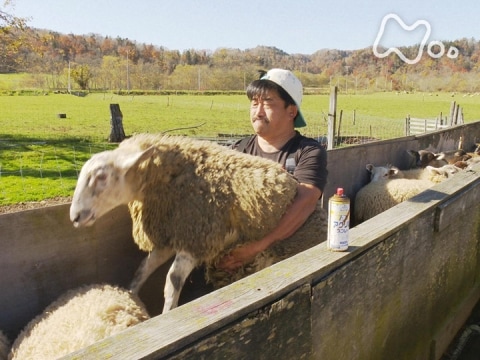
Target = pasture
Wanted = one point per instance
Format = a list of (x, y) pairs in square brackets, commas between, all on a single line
[(41, 154)]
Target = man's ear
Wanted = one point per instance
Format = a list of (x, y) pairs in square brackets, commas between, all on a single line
[(293, 111)]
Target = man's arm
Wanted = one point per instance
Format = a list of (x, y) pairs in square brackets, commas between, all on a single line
[(297, 213)]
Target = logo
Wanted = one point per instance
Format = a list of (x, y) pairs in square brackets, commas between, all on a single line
[(452, 51)]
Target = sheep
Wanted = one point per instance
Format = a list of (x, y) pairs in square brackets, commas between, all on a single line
[(425, 157), (429, 173), (77, 319), (193, 199), (4, 346), (384, 192), (378, 196)]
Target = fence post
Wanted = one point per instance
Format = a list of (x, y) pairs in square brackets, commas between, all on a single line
[(117, 134), (452, 113), (407, 125), (332, 113), (339, 133)]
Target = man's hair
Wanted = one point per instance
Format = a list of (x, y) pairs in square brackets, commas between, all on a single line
[(260, 88)]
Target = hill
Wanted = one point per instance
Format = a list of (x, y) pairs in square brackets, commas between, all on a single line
[(102, 63)]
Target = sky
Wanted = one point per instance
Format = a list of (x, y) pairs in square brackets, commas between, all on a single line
[(294, 26)]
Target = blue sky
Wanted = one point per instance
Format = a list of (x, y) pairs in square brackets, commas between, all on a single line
[(299, 26)]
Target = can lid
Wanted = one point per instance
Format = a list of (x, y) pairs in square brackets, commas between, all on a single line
[(339, 191)]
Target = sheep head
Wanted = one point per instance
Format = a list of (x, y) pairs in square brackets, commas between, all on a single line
[(105, 183), (382, 172), (426, 157)]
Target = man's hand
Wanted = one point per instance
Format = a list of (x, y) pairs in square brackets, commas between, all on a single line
[(303, 205), (239, 256)]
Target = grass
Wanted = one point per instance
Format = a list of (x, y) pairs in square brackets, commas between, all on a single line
[(41, 154)]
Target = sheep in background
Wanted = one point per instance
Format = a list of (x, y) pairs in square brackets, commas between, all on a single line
[(423, 158), (193, 199), (4, 346), (384, 192), (78, 319), (429, 173)]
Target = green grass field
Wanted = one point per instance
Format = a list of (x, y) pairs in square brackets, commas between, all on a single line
[(41, 154)]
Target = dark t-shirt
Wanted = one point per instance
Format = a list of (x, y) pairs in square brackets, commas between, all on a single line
[(304, 157)]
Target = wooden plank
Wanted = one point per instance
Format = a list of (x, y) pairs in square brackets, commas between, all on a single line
[(262, 332), (447, 212), (454, 322)]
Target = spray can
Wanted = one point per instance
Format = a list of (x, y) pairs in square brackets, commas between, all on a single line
[(338, 221)]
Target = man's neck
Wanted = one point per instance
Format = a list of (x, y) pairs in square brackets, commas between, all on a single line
[(272, 144)]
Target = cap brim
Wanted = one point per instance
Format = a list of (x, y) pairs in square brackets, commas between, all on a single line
[(299, 120)]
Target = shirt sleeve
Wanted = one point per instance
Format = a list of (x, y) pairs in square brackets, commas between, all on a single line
[(311, 165)]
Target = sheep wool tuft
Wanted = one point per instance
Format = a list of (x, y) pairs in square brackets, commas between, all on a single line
[(78, 319)]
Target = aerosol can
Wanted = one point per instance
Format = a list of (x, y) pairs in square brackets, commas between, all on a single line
[(338, 221)]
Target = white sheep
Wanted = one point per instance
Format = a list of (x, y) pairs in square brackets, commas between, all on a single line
[(4, 346), (430, 173), (384, 192), (193, 199), (78, 319)]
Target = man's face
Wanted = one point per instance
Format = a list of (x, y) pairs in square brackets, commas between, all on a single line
[(269, 115)]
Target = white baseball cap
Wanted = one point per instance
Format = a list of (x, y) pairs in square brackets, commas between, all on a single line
[(293, 86)]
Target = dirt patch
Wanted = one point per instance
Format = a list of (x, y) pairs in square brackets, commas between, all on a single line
[(5, 209)]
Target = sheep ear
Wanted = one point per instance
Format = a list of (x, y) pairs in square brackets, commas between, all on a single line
[(134, 159), (369, 167), (393, 170)]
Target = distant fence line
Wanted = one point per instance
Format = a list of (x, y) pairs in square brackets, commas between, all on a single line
[(47, 169)]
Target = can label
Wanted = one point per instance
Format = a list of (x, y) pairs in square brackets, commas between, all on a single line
[(338, 225)]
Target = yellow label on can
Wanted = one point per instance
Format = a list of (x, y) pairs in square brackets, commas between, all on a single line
[(338, 223)]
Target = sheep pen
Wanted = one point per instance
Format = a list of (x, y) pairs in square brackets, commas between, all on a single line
[(78, 318), (193, 199)]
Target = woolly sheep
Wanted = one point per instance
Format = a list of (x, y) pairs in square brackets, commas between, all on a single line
[(378, 196), (429, 173), (78, 319), (193, 199), (383, 192), (4, 346)]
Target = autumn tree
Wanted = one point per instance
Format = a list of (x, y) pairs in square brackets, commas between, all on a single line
[(11, 38), (81, 74)]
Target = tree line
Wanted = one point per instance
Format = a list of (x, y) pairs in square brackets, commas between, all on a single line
[(93, 62)]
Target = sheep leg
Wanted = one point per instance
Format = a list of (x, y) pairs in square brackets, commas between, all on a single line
[(151, 263), (182, 266)]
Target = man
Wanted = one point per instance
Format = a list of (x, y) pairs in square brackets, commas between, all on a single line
[(275, 113)]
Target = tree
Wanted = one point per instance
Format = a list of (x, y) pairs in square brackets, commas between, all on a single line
[(81, 74), (11, 38)]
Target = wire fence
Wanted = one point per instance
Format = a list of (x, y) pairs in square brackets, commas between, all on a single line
[(38, 170)]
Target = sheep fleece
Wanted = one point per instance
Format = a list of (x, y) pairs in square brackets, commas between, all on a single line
[(77, 319), (378, 196), (202, 197)]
